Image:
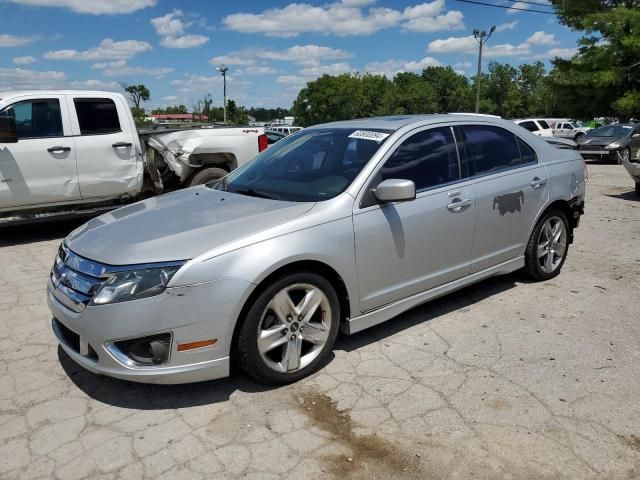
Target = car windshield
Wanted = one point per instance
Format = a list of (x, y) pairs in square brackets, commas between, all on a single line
[(309, 166), (610, 131)]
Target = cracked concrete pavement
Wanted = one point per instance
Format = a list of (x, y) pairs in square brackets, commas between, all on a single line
[(506, 379)]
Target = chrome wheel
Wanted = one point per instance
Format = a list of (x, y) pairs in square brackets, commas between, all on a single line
[(552, 244), (294, 328)]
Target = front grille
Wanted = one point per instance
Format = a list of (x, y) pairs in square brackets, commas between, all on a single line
[(591, 148), (75, 279)]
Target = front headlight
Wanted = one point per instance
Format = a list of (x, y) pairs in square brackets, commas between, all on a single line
[(134, 284), (614, 145)]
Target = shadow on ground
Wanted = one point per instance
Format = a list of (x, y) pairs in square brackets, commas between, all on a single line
[(126, 394), (38, 232), (630, 196)]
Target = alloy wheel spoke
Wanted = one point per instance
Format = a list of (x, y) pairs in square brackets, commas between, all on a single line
[(316, 333), (309, 304), (541, 250), (282, 306), (271, 338), (548, 262), (292, 353), (559, 249), (547, 230), (557, 232)]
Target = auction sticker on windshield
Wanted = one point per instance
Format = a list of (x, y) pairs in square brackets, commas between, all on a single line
[(369, 135)]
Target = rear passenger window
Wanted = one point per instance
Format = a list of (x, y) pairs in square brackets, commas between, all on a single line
[(531, 126), (428, 158), (544, 124), (490, 149), (97, 116)]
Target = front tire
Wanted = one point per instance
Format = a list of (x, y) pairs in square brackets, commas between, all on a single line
[(637, 189), (289, 330), (548, 246), (207, 175)]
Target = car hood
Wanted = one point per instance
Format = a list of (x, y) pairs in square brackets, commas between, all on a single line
[(600, 141), (178, 226)]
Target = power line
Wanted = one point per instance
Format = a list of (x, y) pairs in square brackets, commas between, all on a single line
[(531, 3), (506, 7)]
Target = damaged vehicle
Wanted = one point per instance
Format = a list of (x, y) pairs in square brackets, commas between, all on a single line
[(618, 142), (341, 226), (64, 152)]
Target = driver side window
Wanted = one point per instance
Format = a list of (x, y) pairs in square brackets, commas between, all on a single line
[(39, 118)]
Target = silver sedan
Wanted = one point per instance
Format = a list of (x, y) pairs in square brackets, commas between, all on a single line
[(338, 227)]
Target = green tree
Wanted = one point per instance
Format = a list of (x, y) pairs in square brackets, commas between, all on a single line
[(137, 93), (235, 114), (453, 91), (603, 78)]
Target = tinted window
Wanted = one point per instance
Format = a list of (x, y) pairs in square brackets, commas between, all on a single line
[(428, 158), (37, 118), (531, 126), (543, 124), (490, 149), (526, 152), (97, 115)]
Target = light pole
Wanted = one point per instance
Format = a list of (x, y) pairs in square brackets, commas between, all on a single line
[(482, 37), (223, 70)]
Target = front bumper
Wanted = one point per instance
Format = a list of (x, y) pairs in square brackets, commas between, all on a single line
[(600, 155), (190, 314)]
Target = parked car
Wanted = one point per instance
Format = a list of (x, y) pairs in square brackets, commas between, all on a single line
[(618, 143), (64, 151), (538, 126), (569, 130), (284, 129), (274, 137), (268, 263)]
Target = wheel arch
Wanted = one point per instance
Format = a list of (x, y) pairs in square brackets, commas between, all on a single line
[(314, 266), (561, 204)]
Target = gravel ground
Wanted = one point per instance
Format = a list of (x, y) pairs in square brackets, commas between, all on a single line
[(506, 379)]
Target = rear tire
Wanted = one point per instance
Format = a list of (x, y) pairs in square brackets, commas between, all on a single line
[(289, 330), (548, 246), (207, 175)]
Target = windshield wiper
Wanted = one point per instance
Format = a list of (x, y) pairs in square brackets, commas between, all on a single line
[(250, 192)]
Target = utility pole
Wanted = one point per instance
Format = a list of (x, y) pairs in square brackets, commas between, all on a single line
[(482, 37), (223, 70)]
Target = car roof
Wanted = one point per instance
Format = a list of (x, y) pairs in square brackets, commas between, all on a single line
[(395, 122), (55, 92)]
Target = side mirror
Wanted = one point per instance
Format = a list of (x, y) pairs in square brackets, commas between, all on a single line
[(8, 132), (395, 190), (635, 135)]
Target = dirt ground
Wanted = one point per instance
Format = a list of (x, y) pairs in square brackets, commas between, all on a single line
[(506, 379)]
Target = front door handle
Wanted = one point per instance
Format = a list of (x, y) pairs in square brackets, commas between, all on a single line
[(538, 182), (58, 149), (458, 205), (122, 145)]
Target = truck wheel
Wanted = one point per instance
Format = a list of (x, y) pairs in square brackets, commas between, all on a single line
[(289, 330), (548, 246), (207, 175), (637, 189)]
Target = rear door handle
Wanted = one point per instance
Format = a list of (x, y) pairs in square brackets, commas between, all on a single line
[(122, 144), (538, 182), (58, 149), (458, 205)]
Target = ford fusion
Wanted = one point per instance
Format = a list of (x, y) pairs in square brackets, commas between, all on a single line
[(335, 228)]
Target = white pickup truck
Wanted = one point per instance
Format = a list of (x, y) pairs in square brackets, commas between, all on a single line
[(66, 151)]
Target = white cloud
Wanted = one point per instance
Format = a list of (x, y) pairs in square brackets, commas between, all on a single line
[(470, 45), (319, 70), (234, 58), (22, 79), (305, 54), (94, 7), (94, 85), (463, 65), (7, 40), (542, 38), (453, 45), (27, 60), (256, 70), (560, 52), (293, 80), (170, 98), (120, 68), (391, 68), (108, 49), (171, 29), (344, 18), (184, 41), (507, 26)]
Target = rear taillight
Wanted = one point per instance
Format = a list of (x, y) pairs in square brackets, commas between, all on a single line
[(263, 142)]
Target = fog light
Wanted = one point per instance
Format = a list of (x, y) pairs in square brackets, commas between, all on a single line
[(151, 350)]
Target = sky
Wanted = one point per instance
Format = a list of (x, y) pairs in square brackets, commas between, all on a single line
[(272, 47)]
